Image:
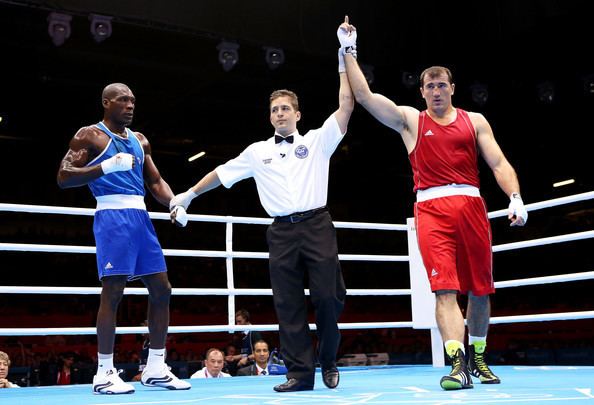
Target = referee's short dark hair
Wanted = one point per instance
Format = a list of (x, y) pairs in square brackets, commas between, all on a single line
[(286, 93)]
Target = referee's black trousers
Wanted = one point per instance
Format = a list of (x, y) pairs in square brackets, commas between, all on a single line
[(308, 246)]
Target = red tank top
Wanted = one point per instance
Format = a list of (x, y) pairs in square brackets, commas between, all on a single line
[(445, 154), (63, 378)]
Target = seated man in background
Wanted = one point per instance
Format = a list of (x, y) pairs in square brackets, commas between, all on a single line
[(4, 367), (230, 362), (248, 339), (214, 364), (261, 357)]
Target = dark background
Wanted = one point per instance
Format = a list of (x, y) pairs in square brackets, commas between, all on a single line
[(166, 52)]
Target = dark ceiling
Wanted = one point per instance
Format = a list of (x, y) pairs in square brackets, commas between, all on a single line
[(166, 52)]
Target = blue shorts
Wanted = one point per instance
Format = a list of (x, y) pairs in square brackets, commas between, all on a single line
[(127, 244)]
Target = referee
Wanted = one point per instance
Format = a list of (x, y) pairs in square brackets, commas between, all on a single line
[(291, 174)]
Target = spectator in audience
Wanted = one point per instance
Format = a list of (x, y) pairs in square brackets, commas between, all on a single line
[(261, 357), (173, 355), (64, 375), (214, 364), (242, 317), (230, 362), (191, 356), (4, 367), (248, 338)]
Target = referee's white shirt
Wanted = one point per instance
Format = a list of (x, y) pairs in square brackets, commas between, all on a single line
[(289, 177)]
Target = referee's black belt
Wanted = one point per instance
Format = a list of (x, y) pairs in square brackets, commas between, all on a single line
[(300, 216)]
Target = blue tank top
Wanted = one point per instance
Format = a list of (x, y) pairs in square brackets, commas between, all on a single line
[(129, 182)]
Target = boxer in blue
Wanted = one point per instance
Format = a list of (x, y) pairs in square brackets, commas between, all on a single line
[(116, 163)]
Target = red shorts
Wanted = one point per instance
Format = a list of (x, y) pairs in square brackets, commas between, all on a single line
[(454, 238)]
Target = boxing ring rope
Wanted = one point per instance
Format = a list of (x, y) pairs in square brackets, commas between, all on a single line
[(421, 320)]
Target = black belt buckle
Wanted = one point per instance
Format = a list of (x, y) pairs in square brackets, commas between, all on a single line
[(297, 217), (300, 216)]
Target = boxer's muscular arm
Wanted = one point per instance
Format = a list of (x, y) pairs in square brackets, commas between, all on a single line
[(84, 147)]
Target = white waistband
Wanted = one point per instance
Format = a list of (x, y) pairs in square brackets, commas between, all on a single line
[(447, 191), (120, 201)]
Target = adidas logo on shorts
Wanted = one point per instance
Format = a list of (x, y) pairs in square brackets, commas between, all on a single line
[(433, 273), (108, 266)]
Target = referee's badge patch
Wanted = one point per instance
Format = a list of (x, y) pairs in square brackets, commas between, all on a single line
[(301, 151)]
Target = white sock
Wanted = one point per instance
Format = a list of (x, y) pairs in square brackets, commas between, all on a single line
[(479, 343), (105, 363), (472, 339), (156, 358)]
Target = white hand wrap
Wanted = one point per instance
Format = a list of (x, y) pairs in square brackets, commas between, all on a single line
[(346, 39), (183, 199), (118, 163), (179, 214), (516, 207)]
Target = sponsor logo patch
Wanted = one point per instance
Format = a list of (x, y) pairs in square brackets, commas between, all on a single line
[(301, 151)]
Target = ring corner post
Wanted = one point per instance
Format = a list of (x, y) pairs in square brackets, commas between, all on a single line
[(422, 299)]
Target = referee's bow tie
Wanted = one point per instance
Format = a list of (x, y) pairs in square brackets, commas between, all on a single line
[(279, 139)]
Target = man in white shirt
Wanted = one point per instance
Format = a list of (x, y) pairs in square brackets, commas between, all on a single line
[(214, 365), (291, 174)]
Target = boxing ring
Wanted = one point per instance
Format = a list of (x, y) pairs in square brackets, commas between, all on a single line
[(388, 384)]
